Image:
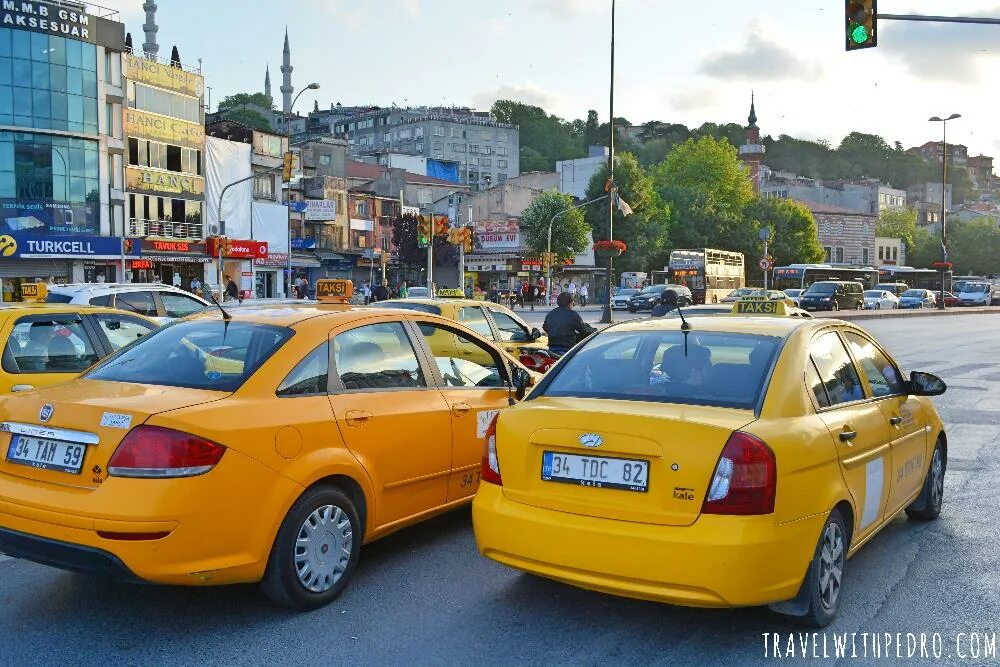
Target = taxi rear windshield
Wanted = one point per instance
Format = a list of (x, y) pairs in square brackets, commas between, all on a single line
[(708, 368), (201, 354), (420, 307)]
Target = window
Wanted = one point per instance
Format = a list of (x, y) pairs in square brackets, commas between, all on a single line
[(120, 330), (895, 253), (474, 318), (864, 256), (457, 132), (436, 145), (836, 370), (438, 131), (387, 137), (473, 148), (881, 250), (474, 161), (815, 385), (377, 356), (419, 147), (137, 302), (263, 186), (510, 329), (179, 305), (49, 344), (487, 150), (200, 354), (501, 177), (501, 164), (309, 377), (162, 102), (487, 162), (840, 256), (883, 376), (502, 136), (458, 148), (418, 133), (502, 150), (461, 360)]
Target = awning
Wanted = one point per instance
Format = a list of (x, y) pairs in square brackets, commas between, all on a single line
[(305, 262), (326, 254)]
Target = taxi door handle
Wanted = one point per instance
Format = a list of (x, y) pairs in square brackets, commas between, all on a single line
[(22, 387), (895, 421), (847, 436), (357, 417), (461, 409)]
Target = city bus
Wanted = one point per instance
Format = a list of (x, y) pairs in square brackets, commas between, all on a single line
[(914, 278), (709, 274), (801, 276)]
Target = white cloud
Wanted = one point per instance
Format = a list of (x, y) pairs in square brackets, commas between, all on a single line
[(694, 99), (569, 8), (942, 51), (528, 93), (759, 59)]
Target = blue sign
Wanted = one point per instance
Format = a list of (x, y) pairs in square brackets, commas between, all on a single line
[(303, 244), (37, 246), (297, 206), (19, 216)]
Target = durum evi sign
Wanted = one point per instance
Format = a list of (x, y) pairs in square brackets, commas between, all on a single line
[(62, 21)]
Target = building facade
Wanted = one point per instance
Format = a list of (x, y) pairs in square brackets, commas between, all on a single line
[(847, 237), (981, 173), (60, 144), (867, 196), (752, 151), (891, 251), (575, 175)]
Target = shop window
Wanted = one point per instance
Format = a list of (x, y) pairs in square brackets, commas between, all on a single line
[(174, 158)]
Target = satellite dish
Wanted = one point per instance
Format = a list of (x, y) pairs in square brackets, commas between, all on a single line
[(213, 230)]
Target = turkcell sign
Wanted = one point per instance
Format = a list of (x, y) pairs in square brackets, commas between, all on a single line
[(94, 247)]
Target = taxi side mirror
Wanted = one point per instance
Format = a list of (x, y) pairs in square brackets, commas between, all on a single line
[(925, 384), (522, 382), (535, 333)]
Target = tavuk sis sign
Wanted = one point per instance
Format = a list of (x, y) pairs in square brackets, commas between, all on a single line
[(65, 247)]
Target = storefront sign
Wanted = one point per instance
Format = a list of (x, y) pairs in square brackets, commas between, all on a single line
[(361, 225), (321, 209), (45, 247), (303, 244), (163, 183), (163, 76), (498, 234), (46, 216), (273, 259), (62, 22), (160, 128), (141, 264), (173, 247), (239, 249)]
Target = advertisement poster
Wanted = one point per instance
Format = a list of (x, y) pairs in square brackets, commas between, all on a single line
[(20, 216)]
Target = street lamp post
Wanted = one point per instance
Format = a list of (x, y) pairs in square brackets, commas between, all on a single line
[(944, 189), (288, 198), (607, 316), (548, 254)]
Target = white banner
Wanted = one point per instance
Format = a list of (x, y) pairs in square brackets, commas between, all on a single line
[(227, 162), (498, 241), (321, 209), (361, 225), (270, 224)]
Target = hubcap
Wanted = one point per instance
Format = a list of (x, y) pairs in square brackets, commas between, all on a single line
[(323, 548), (937, 479), (831, 565)]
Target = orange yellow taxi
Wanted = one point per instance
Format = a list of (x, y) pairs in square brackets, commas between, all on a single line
[(714, 462), (262, 444)]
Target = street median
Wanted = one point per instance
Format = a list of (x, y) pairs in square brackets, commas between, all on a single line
[(896, 312)]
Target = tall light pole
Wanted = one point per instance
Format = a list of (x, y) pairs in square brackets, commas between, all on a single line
[(944, 189), (288, 198), (548, 254), (606, 316)]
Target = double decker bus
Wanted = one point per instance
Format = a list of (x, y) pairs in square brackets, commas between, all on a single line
[(709, 274), (801, 276), (914, 278)]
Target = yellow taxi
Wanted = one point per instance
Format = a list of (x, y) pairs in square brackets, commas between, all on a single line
[(262, 444), (742, 307), (717, 462), (490, 320), (49, 343)]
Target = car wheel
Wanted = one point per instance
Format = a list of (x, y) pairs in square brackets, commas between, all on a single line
[(927, 506), (826, 573), (315, 552), (631, 309)]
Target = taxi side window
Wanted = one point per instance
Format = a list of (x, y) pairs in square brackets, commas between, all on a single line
[(474, 318), (883, 376), (836, 370), (45, 345), (461, 360), (815, 385), (137, 302), (179, 305), (510, 329), (377, 356), (120, 330), (309, 377), (103, 300)]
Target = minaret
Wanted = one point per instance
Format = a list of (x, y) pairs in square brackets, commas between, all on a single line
[(286, 77), (752, 152), (267, 83), (150, 47)]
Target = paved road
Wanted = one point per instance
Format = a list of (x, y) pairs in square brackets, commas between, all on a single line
[(423, 596)]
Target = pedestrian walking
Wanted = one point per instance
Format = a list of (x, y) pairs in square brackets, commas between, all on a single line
[(584, 294), (366, 292), (404, 290), (232, 291), (305, 288), (298, 287), (571, 288)]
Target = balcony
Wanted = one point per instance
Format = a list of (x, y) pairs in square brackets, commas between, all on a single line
[(167, 229)]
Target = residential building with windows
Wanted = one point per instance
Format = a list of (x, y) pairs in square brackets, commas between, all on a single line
[(847, 237), (926, 199), (867, 196), (891, 251), (981, 173), (575, 175), (958, 154), (61, 145)]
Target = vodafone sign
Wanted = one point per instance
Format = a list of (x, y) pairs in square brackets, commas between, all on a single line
[(239, 249)]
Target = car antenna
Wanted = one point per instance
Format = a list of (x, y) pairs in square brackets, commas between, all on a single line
[(685, 328), (225, 316)]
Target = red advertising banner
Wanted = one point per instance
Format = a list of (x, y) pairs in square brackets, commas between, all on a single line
[(238, 249)]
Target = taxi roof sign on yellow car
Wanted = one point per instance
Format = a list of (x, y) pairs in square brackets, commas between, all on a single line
[(334, 291), (753, 306), (34, 291), (450, 293)]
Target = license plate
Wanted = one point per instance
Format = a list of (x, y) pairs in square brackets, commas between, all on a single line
[(598, 471), (46, 454)]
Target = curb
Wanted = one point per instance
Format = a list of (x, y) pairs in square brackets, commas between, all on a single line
[(898, 314)]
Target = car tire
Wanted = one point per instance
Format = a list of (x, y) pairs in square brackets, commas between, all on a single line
[(631, 309), (826, 573), (303, 577), (927, 506)]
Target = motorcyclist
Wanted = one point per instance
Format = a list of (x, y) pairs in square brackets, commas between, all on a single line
[(564, 326), (667, 302)]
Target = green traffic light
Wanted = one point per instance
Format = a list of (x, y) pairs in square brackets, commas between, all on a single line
[(859, 34)]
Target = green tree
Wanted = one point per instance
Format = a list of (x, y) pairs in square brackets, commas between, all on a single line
[(793, 231), (899, 223), (248, 117), (569, 230), (972, 246), (590, 137), (710, 168), (246, 99), (544, 138), (926, 249)]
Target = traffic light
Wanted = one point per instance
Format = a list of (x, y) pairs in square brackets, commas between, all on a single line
[(286, 167), (860, 24), (441, 225), (423, 231), (466, 238)]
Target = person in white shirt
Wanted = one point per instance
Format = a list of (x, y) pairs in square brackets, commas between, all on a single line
[(177, 279), (584, 294), (572, 290), (196, 286), (366, 292)]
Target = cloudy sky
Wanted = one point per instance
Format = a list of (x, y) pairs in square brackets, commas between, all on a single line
[(677, 61)]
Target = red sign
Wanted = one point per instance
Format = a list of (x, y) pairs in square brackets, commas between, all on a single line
[(141, 264), (239, 249), (175, 247)]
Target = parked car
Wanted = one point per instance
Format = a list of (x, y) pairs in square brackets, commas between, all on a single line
[(738, 294), (794, 295), (417, 293), (896, 288), (833, 295), (917, 298), (650, 296), (876, 299), (976, 294), (161, 302), (622, 297), (950, 300)]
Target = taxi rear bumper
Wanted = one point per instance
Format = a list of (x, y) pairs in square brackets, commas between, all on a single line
[(65, 556), (719, 561)]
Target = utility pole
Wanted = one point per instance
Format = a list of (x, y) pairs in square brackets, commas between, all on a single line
[(607, 317)]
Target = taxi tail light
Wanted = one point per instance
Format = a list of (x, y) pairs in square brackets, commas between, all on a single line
[(491, 465), (745, 479), (154, 451)]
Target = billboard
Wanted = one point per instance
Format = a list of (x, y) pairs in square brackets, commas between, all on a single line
[(498, 234), (47, 217), (87, 247), (163, 76), (168, 184), (321, 209), (145, 125), (62, 20)]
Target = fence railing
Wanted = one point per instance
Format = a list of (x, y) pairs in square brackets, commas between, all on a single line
[(166, 229)]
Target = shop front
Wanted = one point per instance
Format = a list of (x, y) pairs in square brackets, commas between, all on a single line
[(172, 263), (60, 259), (269, 275)]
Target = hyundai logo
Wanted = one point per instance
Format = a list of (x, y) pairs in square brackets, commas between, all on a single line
[(591, 440), (45, 413)]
